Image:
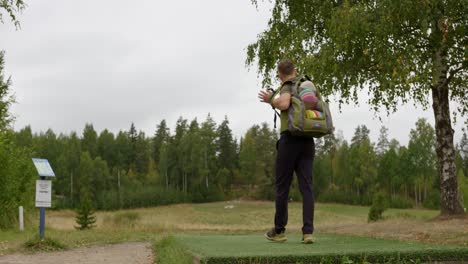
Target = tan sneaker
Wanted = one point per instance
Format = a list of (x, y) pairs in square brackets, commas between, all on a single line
[(273, 236), (307, 239)]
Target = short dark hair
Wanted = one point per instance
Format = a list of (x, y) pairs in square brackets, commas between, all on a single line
[(286, 67)]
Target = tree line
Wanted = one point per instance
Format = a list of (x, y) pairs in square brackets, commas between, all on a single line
[(202, 162)]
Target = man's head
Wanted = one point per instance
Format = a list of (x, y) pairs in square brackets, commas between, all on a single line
[(286, 70)]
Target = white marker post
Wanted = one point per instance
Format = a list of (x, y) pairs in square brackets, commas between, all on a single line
[(43, 190), (21, 219)]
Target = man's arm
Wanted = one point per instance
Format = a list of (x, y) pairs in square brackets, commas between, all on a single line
[(282, 102)]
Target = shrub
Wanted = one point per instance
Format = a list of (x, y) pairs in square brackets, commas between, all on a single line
[(17, 180), (379, 205), (43, 244)]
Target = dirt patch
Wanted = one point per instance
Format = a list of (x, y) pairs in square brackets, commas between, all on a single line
[(127, 253)]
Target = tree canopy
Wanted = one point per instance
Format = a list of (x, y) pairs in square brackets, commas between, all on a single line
[(397, 51), (385, 46), (11, 8)]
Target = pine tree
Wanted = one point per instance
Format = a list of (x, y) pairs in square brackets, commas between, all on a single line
[(248, 156), (226, 151), (106, 147), (160, 137), (192, 149), (132, 151), (142, 150), (85, 216), (180, 155), (122, 150), (89, 141), (208, 137), (382, 144)]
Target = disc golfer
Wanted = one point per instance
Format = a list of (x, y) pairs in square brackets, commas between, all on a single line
[(294, 154)]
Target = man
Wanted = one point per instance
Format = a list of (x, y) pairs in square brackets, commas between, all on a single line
[(294, 154)]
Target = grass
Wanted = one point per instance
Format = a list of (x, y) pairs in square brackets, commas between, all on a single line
[(170, 251), (43, 244), (234, 218), (245, 216), (215, 249)]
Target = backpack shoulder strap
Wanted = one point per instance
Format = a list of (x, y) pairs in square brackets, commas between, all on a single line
[(297, 83)]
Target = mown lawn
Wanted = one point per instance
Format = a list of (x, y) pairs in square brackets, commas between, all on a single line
[(218, 249)]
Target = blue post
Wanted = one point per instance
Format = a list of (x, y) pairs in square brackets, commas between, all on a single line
[(41, 219), (42, 222)]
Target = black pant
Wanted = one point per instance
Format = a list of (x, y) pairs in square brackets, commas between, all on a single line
[(294, 154)]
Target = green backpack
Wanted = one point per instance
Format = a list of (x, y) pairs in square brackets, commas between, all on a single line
[(302, 124)]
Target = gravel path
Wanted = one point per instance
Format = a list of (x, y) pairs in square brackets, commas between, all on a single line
[(127, 253)]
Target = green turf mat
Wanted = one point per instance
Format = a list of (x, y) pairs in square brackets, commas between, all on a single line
[(329, 248)]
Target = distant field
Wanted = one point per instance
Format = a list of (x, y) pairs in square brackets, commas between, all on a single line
[(239, 217), (228, 216), (244, 217)]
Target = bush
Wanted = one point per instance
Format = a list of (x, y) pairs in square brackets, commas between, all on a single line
[(379, 205), (43, 244), (17, 183)]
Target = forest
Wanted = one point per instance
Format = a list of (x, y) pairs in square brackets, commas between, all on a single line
[(203, 162)]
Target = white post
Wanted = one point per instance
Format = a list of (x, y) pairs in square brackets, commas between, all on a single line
[(21, 219)]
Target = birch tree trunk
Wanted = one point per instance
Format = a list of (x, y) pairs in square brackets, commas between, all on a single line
[(450, 205)]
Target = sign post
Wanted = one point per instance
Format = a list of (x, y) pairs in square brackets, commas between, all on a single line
[(43, 190)]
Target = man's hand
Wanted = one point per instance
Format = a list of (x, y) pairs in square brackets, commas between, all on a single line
[(264, 96)]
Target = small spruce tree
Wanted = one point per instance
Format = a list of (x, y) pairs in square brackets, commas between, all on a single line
[(85, 215)]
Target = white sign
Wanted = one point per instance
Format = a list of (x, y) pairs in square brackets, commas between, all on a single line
[(43, 168), (43, 193)]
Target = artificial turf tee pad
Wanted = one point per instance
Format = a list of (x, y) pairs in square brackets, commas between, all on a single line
[(328, 248)]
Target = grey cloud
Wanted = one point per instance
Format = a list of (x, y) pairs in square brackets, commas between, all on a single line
[(115, 62)]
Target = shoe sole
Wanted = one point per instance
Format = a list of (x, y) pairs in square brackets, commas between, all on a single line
[(276, 240)]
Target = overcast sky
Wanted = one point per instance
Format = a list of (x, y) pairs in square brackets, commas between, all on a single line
[(113, 62)]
